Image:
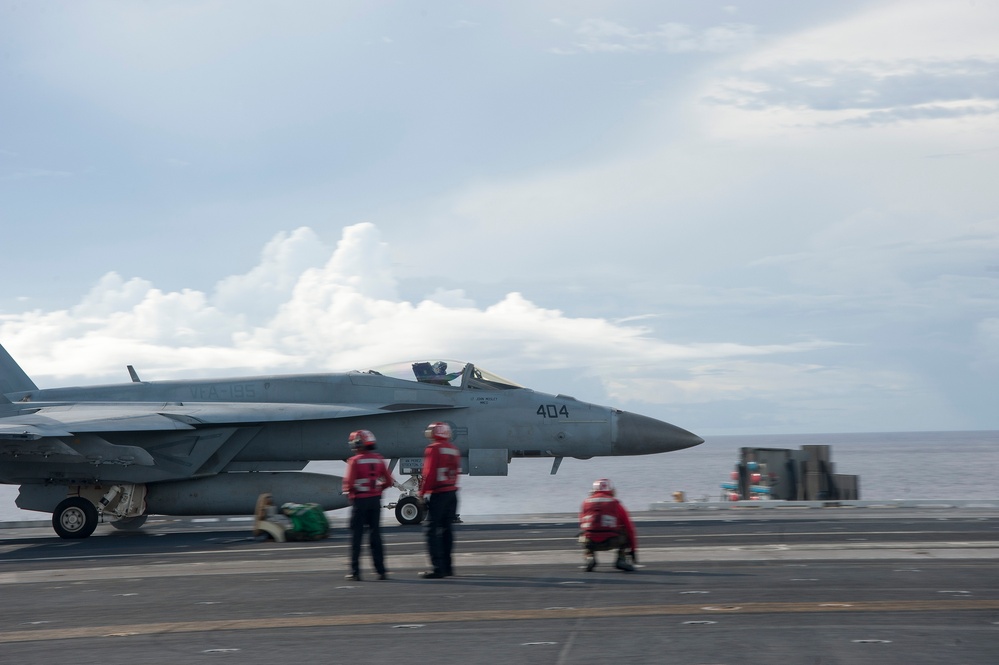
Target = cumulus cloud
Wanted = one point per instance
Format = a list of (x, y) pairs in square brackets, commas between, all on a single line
[(345, 314), (257, 293)]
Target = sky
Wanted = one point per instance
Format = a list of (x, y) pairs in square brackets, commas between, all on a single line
[(746, 218)]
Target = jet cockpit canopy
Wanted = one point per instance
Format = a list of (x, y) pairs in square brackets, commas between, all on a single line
[(452, 373)]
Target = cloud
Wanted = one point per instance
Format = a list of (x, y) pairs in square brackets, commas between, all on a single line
[(598, 35), (837, 85), (258, 293), (896, 63), (913, 114), (345, 314)]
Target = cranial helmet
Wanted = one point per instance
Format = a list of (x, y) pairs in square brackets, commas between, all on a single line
[(603, 485), (437, 431), (361, 439)]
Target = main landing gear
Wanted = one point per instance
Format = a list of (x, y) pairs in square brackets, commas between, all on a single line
[(77, 516), (130, 523)]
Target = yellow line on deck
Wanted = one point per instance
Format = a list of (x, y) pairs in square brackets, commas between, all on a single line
[(408, 618)]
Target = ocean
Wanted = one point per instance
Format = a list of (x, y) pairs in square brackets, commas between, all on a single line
[(891, 466)]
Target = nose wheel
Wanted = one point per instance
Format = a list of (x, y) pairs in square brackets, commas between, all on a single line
[(410, 510)]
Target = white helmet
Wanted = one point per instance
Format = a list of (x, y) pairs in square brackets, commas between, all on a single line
[(437, 431), (603, 485)]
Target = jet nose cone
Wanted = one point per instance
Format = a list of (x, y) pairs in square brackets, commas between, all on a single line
[(641, 435)]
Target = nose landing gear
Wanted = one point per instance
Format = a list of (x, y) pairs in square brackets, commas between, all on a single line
[(409, 509)]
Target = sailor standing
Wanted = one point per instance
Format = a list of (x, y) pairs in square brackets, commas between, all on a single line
[(441, 466), (363, 483)]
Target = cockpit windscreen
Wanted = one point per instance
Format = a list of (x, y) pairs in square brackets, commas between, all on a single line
[(452, 373)]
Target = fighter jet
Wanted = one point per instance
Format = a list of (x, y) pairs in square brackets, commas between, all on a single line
[(118, 453)]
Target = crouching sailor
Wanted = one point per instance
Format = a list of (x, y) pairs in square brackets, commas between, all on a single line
[(604, 524)]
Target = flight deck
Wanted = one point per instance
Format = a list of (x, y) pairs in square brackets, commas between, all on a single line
[(834, 585)]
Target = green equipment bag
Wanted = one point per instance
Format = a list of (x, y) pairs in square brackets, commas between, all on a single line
[(309, 520)]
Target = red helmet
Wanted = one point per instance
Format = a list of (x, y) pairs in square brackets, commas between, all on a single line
[(361, 439), (603, 485), (438, 431)]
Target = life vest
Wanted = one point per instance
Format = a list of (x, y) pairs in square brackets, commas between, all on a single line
[(441, 466), (369, 475), (599, 520)]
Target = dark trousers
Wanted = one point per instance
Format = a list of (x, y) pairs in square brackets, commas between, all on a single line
[(619, 543), (442, 508), (366, 512)]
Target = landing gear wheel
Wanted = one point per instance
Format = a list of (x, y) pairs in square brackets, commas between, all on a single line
[(410, 510), (129, 523), (74, 517)]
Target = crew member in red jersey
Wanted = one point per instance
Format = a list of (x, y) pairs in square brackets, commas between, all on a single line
[(605, 524), (363, 483), (441, 466)]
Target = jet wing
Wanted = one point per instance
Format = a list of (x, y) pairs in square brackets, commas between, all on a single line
[(75, 419), (67, 420), (87, 448), (34, 435), (179, 440), (241, 413)]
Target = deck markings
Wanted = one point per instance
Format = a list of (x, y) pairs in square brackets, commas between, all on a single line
[(403, 620)]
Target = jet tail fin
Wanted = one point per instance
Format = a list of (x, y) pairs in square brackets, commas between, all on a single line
[(12, 377)]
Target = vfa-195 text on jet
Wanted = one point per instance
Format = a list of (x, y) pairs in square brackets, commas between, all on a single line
[(209, 447)]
